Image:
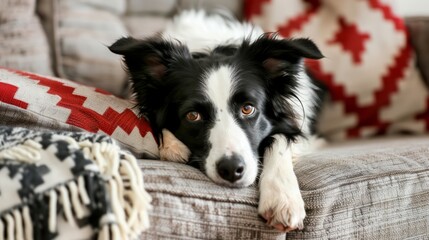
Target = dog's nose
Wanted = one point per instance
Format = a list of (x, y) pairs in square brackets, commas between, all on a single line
[(231, 168)]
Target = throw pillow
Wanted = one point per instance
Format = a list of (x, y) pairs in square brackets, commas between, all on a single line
[(79, 33), (23, 43), (32, 100), (369, 67)]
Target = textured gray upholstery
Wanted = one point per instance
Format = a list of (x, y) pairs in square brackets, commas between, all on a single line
[(376, 189), (372, 189)]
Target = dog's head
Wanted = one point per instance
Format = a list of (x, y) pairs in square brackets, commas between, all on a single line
[(221, 104)]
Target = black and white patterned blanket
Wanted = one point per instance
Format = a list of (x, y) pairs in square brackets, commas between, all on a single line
[(68, 185)]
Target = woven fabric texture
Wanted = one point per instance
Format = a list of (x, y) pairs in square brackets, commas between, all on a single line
[(376, 189), (36, 101), (79, 33), (23, 44), (369, 65), (51, 180), (188, 205)]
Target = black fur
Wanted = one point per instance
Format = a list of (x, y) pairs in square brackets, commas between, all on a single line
[(167, 81)]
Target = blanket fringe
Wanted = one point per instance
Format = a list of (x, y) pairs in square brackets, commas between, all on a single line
[(28, 151), (16, 225), (129, 201), (122, 178)]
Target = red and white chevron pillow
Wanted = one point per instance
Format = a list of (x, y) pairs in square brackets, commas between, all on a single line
[(369, 68), (36, 101)]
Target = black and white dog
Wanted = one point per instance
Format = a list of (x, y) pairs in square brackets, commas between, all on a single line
[(225, 97)]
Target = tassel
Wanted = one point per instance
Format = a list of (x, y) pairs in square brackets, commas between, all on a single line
[(103, 146), (133, 195), (53, 198), (82, 190), (139, 200), (96, 152), (110, 230), (65, 200), (71, 141), (28, 151), (28, 225), (139, 178), (104, 233), (19, 233), (112, 157), (129, 201), (133, 162), (76, 204), (10, 227), (116, 207), (121, 177), (116, 234), (2, 230), (85, 144)]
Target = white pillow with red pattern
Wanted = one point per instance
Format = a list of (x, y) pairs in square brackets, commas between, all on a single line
[(374, 85), (35, 101)]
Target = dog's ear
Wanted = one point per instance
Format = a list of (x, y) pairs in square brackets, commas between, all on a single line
[(281, 63), (150, 57), (148, 62), (277, 55)]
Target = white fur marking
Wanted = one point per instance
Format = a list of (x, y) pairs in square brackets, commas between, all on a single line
[(202, 32), (227, 137), (172, 149), (280, 198)]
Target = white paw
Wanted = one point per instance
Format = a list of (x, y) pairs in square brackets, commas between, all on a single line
[(282, 206), (172, 149)]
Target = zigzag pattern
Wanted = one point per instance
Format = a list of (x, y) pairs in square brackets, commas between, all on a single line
[(8, 95), (86, 118), (63, 104), (297, 22), (362, 106)]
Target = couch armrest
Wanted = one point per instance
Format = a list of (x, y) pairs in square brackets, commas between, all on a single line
[(419, 33)]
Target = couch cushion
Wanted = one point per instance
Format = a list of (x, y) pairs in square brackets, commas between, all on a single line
[(234, 7), (23, 44), (375, 189), (188, 205), (79, 32), (141, 26), (141, 7)]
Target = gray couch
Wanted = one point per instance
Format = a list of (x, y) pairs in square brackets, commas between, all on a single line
[(365, 189)]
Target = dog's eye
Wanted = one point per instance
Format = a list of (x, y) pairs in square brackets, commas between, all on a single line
[(248, 110), (193, 116)]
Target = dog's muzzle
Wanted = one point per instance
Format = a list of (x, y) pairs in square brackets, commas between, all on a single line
[(231, 168)]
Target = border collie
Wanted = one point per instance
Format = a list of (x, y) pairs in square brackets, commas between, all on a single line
[(227, 98)]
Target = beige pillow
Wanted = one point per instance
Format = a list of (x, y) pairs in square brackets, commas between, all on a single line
[(80, 32), (23, 43)]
